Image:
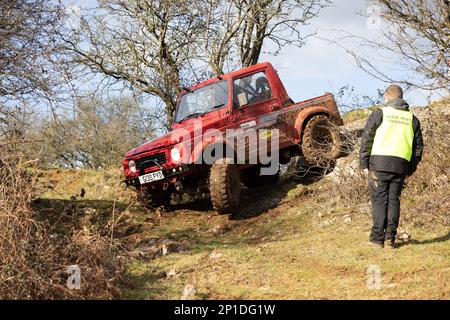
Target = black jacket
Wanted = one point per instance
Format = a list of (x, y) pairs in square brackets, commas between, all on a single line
[(389, 163)]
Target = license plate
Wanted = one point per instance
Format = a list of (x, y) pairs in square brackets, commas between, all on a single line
[(150, 177)]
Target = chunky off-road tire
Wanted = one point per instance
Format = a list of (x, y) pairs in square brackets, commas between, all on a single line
[(224, 186), (154, 200), (251, 177), (321, 142)]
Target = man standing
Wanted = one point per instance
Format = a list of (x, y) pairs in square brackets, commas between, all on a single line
[(391, 149)]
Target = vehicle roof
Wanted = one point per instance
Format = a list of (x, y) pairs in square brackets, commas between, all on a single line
[(229, 75)]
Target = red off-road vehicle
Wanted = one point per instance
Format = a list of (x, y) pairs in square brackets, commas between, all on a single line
[(250, 99)]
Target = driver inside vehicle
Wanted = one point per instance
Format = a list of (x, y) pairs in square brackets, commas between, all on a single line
[(262, 89), (256, 88)]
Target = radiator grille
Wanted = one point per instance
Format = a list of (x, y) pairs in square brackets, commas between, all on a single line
[(149, 161)]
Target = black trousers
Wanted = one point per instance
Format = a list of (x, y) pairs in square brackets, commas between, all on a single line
[(386, 189)]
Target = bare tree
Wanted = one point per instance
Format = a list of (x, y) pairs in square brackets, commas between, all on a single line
[(27, 49), (158, 47), (144, 44), (415, 37), (98, 136), (29, 72), (237, 30)]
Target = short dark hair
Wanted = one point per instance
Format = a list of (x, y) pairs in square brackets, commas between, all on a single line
[(393, 92)]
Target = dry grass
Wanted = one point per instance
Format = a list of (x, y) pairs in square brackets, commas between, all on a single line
[(426, 200), (34, 257)]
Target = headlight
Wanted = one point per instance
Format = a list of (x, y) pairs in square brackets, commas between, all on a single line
[(175, 154), (132, 166)]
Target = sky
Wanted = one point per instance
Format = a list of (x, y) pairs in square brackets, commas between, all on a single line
[(320, 66)]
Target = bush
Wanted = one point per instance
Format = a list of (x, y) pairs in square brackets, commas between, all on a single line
[(33, 261), (425, 200)]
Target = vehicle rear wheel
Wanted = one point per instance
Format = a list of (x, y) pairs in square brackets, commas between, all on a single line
[(154, 200), (321, 143), (224, 186), (252, 178)]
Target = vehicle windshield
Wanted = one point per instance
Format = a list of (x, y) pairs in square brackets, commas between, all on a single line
[(201, 101)]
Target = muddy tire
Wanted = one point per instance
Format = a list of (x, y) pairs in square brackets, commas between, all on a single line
[(224, 186), (251, 177), (154, 200), (321, 143)]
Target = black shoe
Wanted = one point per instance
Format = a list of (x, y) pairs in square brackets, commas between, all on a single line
[(379, 245), (390, 244)]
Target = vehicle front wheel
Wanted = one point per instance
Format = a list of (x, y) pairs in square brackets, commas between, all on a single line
[(224, 186)]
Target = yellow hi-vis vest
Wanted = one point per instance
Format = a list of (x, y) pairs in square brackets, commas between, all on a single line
[(395, 135)]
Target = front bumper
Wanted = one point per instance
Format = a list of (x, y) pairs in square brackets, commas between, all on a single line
[(170, 176)]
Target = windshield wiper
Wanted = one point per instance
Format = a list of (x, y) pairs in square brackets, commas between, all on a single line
[(192, 115), (200, 114), (212, 108)]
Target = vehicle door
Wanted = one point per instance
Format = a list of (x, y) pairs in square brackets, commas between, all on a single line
[(256, 109)]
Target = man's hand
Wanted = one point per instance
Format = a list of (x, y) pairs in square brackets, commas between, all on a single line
[(365, 172)]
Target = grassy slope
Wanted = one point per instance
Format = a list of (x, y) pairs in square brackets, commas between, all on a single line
[(298, 249), (289, 253), (285, 244)]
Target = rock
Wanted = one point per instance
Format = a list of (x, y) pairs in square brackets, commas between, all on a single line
[(169, 246), (345, 167), (189, 292), (320, 215), (171, 273), (164, 250), (215, 254), (347, 218), (404, 236), (158, 247), (326, 223), (215, 229)]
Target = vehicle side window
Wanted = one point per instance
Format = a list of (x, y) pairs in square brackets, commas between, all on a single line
[(251, 89)]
